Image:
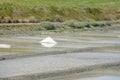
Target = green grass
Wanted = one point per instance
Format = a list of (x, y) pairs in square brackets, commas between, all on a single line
[(58, 10), (65, 3)]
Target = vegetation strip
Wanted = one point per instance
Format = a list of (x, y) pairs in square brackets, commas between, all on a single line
[(68, 25), (22, 11)]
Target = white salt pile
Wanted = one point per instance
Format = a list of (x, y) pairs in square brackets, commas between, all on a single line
[(48, 42), (5, 46)]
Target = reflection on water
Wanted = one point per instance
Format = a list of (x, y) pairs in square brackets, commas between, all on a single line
[(48, 45), (102, 78)]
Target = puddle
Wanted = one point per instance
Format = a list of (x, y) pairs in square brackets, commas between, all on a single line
[(102, 78)]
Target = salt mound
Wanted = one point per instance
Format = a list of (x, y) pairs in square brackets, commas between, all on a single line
[(5, 46), (48, 42)]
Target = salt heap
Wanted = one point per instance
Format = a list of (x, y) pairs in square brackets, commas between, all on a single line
[(48, 42), (5, 46)]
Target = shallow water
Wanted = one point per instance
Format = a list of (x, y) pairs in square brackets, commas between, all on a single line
[(102, 78), (77, 51), (42, 64), (74, 41)]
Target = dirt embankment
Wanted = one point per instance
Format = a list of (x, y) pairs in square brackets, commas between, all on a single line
[(56, 14)]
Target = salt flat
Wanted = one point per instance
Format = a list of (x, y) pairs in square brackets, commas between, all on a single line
[(72, 51), (44, 64)]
